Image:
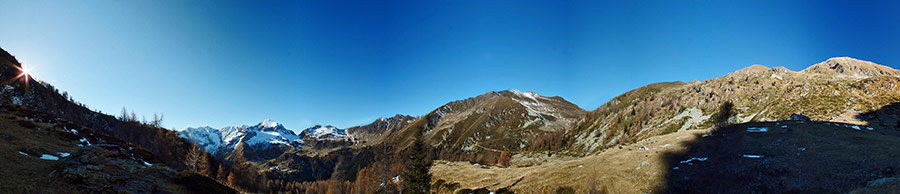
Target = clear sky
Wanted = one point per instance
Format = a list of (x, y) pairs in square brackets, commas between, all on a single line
[(346, 63)]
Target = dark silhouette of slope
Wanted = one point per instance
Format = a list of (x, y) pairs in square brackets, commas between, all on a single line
[(886, 118), (790, 156)]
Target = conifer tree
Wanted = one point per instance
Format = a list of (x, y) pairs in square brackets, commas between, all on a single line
[(417, 178)]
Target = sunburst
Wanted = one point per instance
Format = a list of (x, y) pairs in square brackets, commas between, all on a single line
[(24, 73)]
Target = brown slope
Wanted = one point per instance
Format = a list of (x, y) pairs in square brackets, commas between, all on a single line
[(375, 132), (758, 93), (482, 127)]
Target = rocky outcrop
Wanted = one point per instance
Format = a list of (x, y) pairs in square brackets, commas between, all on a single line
[(107, 168), (850, 67)]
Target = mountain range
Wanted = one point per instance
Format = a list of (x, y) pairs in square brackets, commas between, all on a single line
[(263, 136), (663, 137)]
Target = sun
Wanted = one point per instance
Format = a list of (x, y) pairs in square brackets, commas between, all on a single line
[(24, 73)]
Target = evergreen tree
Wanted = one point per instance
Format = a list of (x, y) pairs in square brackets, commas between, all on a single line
[(417, 178), (723, 117)]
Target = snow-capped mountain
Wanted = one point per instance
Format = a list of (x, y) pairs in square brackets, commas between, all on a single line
[(207, 137), (260, 136), (327, 132)]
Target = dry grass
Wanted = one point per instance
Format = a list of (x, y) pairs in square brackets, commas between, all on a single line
[(630, 169), (29, 174)]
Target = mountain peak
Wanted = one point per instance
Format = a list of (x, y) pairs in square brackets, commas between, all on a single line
[(850, 67), (753, 69), (268, 123)]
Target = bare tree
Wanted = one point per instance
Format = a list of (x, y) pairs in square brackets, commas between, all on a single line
[(157, 120), (133, 117), (194, 156), (124, 116)]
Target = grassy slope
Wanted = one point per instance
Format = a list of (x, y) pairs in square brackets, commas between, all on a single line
[(30, 174), (836, 158)]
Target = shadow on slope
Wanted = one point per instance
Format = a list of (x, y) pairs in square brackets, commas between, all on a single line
[(783, 157), (887, 118)]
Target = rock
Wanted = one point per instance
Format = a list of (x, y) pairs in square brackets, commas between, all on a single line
[(108, 168), (799, 117)]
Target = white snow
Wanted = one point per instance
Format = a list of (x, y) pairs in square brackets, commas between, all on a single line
[(268, 123), (62, 154), (85, 141), (693, 159), (533, 105), (757, 129), (855, 127), (23, 153), (675, 168), (70, 130), (49, 157), (752, 156), (327, 132), (396, 179), (147, 163)]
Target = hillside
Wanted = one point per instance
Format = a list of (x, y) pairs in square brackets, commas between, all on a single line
[(43, 154), (155, 144), (632, 143), (801, 157), (758, 94), (482, 128)]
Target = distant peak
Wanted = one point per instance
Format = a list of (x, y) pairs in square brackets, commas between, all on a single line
[(850, 67), (756, 68), (513, 93), (844, 59), (269, 123)]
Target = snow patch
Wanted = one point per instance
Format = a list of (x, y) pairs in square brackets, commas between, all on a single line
[(62, 154), (49, 157), (752, 156), (694, 159), (84, 140), (757, 129)]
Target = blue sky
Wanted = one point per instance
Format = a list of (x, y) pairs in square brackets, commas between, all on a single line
[(346, 63)]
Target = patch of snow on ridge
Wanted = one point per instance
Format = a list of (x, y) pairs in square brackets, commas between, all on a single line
[(326, 132), (533, 105)]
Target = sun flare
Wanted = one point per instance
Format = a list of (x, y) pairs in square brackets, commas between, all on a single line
[(24, 73)]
